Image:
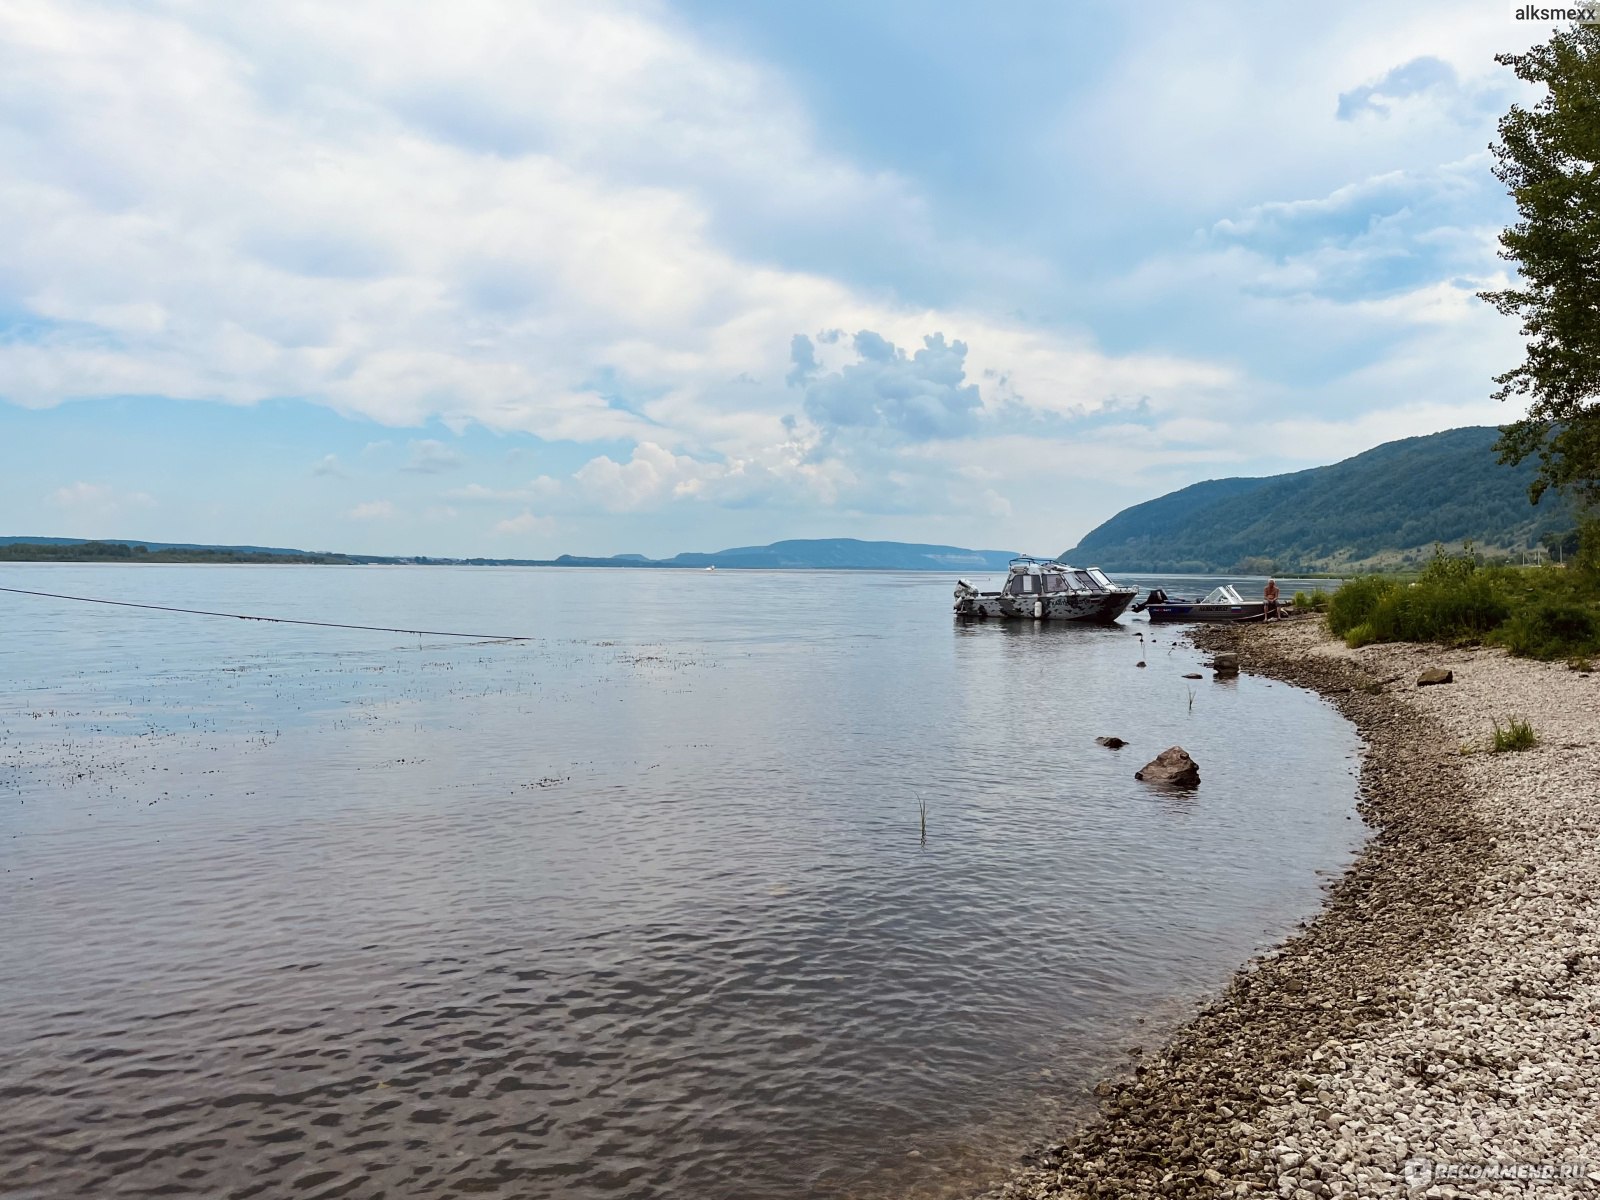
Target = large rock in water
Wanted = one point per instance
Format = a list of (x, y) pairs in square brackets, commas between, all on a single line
[(1172, 766), (1225, 662)]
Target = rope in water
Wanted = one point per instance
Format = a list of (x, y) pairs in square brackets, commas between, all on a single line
[(201, 612)]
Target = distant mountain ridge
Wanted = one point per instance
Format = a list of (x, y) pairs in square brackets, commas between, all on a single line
[(846, 554), (1387, 505), (840, 554)]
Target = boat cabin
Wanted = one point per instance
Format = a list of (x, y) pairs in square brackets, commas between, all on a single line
[(1032, 577)]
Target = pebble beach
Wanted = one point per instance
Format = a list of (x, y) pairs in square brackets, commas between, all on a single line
[(1435, 1031)]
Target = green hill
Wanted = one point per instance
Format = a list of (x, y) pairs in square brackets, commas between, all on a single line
[(1386, 506)]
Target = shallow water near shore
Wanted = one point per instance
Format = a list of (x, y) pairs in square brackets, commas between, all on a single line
[(639, 907)]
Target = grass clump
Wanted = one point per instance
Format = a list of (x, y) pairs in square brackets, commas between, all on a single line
[(1316, 601), (1516, 734)]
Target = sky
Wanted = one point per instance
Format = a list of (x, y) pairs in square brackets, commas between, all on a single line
[(521, 279)]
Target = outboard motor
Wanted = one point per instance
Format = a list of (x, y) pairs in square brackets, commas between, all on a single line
[(964, 595), (1155, 596)]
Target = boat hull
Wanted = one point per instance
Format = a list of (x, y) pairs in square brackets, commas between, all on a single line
[(1102, 607), (1173, 611)]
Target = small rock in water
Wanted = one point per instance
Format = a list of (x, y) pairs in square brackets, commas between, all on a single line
[(1172, 766), (1111, 743), (1435, 675), (1194, 675), (1225, 662)]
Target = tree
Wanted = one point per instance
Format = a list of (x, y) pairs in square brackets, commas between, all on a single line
[(1548, 157)]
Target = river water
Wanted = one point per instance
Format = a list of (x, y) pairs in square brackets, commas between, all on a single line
[(640, 907)]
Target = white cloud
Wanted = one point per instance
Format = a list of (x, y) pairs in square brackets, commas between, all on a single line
[(431, 457), (541, 488), (372, 510), (525, 523), (329, 465), (577, 222), (98, 499), (410, 216), (650, 476)]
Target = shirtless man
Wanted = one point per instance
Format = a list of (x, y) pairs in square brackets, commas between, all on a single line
[(1270, 595)]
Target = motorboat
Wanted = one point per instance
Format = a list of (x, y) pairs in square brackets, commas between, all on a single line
[(1046, 590), (1220, 604)]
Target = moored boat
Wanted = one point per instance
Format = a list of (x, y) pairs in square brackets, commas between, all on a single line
[(1045, 590), (1221, 604)]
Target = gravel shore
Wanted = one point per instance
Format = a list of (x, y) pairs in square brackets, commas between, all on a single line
[(1436, 1030)]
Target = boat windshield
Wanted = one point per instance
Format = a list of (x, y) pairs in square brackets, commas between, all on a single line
[(1223, 595), (1086, 581)]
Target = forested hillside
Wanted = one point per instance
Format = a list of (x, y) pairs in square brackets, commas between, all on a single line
[(1388, 505)]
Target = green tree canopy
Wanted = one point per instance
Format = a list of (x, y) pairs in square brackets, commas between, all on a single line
[(1549, 158)]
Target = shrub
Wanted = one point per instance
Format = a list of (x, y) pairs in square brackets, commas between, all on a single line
[(1353, 603), (1551, 629), (1465, 609), (1446, 568), (1587, 561), (1517, 734), (1361, 635)]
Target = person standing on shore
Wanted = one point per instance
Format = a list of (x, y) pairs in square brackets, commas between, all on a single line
[(1270, 595)]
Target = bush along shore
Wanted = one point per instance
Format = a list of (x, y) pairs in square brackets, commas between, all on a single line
[(1435, 1031), (1548, 613)]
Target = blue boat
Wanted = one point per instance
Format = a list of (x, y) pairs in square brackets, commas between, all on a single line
[(1222, 604)]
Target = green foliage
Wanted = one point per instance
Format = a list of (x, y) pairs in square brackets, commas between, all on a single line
[(1446, 568), (1551, 629), (1546, 612), (1516, 734), (1587, 560), (1446, 487), (1546, 158), (1353, 604), (1459, 610)]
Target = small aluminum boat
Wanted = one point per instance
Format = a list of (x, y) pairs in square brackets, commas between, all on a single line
[(1220, 604), (1044, 590)]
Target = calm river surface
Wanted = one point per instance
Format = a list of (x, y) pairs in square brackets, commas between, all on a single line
[(639, 908)]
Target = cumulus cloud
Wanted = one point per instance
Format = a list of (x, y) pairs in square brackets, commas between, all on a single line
[(351, 222), (98, 499), (525, 522), (373, 510), (329, 465), (1390, 232), (650, 475), (541, 488), (431, 457), (586, 223), (918, 396), (1413, 78)]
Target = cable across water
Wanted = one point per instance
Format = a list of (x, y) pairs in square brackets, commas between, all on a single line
[(201, 612)]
